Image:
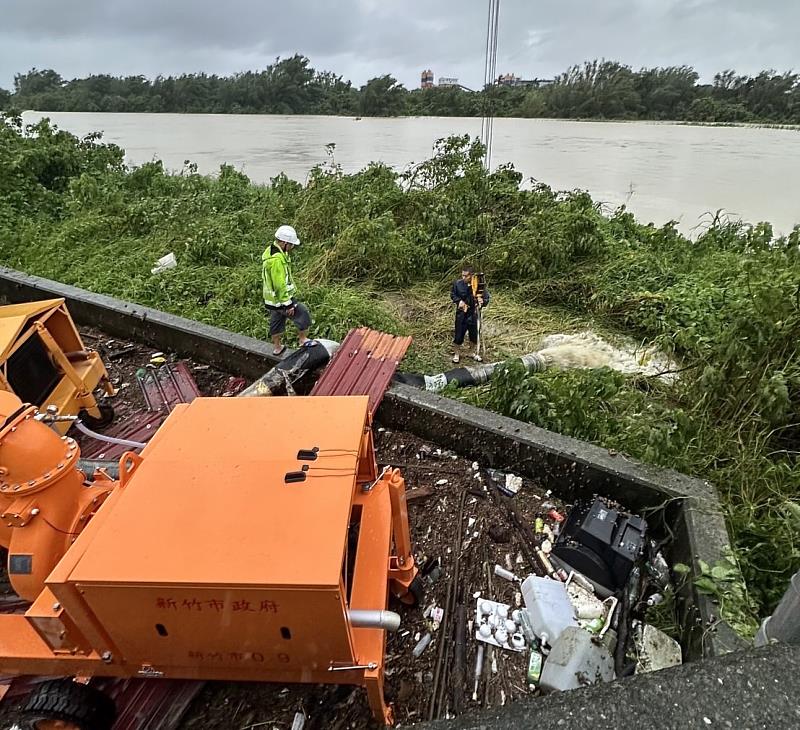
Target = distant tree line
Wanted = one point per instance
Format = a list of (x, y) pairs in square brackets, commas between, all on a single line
[(595, 90)]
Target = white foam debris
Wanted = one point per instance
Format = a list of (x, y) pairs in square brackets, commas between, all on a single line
[(588, 350)]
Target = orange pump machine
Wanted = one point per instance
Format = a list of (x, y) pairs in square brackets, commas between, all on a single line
[(43, 361), (252, 539)]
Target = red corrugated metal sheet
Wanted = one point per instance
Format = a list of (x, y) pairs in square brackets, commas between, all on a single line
[(142, 704), (149, 704), (364, 365), (165, 387)]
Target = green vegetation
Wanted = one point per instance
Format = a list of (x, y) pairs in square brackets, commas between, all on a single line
[(379, 250), (596, 90)]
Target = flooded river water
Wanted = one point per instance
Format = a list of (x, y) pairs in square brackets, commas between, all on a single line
[(661, 171)]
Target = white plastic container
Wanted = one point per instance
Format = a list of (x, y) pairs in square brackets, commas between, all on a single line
[(576, 661), (548, 606)]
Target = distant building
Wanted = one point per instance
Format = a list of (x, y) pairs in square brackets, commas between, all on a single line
[(426, 80), (448, 81), (512, 80)]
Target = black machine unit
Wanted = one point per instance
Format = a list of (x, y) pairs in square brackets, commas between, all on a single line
[(601, 543), (31, 372)]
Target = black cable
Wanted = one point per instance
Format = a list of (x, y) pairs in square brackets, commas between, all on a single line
[(58, 529)]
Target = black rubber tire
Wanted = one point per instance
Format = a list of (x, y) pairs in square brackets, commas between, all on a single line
[(97, 424), (85, 707)]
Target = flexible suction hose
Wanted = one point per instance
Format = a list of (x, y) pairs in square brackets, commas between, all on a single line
[(108, 439)]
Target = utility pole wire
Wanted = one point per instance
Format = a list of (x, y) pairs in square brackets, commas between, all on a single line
[(489, 79)]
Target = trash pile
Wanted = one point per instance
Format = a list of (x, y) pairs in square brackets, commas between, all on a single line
[(571, 621)]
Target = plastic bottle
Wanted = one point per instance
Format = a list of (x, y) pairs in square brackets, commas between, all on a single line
[(527, 628), (507, 574), (422, 644), (534, 667), (633, 585), (478, 670)]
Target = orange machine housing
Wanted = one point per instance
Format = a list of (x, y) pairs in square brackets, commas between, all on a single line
[(224, 551), (44, 361)]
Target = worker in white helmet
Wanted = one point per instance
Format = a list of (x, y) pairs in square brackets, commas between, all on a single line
[(280, 289)]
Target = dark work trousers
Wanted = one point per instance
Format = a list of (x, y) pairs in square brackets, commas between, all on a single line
[(466, 323)]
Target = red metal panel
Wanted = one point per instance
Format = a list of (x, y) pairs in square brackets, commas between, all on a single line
[(142, 704), (177, 385), (149, 704), (165, 387), (364, 365)]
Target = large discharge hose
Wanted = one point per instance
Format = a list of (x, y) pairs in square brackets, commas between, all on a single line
[(315, 354), (463, 377)]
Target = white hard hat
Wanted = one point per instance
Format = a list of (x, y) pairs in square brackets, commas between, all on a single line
[(287, 234)]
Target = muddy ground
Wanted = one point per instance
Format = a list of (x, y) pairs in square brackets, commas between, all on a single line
[(123, 359)]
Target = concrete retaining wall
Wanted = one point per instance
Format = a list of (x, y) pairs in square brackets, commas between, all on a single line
[(245, 356), (688, 508)]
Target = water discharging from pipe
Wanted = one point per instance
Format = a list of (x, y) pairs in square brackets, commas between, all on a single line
[(583, 350), (588, 350)]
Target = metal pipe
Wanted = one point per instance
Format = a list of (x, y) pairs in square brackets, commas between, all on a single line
[(108, 439), (364, 618), (784, 624)]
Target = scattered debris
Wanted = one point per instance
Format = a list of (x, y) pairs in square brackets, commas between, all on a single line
[(419, 493), (577, 659), (548, 605), (508, 484), (508, 524), (535, 667), (421, 645), (602, 543), (496, 624), (499, 534), (500, 571), (233, 386), (164, 263), (654, 649)]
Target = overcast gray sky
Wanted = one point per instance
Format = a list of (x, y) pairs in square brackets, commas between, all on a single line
[(360, 39)]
